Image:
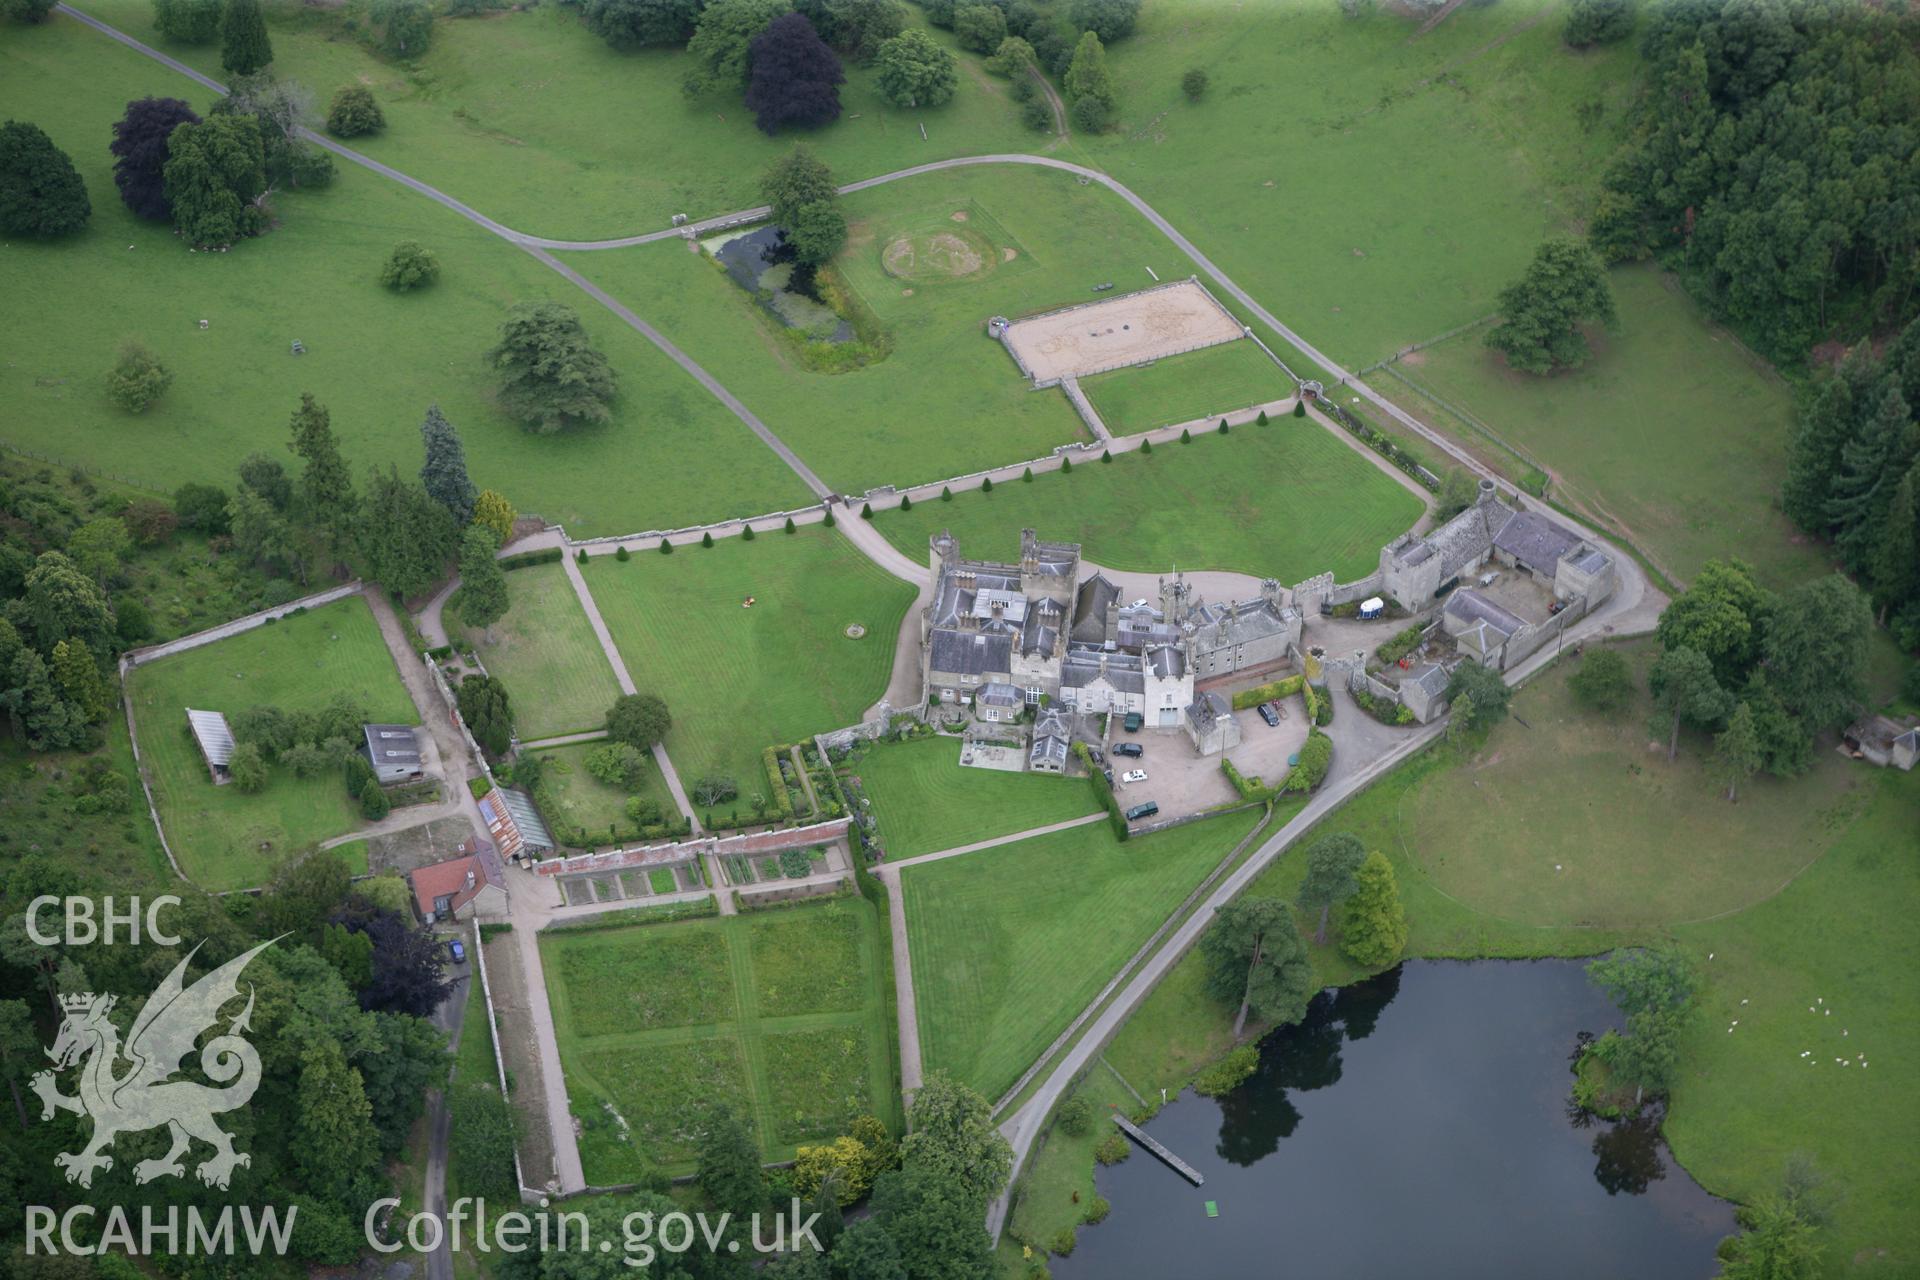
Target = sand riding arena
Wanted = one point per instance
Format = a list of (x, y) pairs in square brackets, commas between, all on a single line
[(1134, 328)]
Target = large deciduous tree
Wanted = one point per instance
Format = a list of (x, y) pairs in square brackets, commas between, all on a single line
[(1109, 19), (1591, 22), (244, 46), (1541, 313), (914, 71), (856, 27), (795, 180), (1333, 862), (1484, 692), (721, 37), (639, 720), (214, 178), (1722, 615), (1815, 651), (952, 1135), (552, 376), (40, 191), (633, 24), (980, 26), (795, 78), (140, 147), (1685, 692), (444, 472), (1374, 924), (354, 112), (26, 10), (817, 232), (188, 21), (1255, 958), (1087, 75)]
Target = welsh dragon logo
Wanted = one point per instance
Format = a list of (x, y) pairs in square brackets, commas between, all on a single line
[(145, 1096)]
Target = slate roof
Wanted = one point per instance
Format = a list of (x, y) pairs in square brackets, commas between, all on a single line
[(215, 738), (969, 653), (1534, 539), (1050, 750), (1000, 694), (392, 744), (1091, 603), (1168, 662), (1207, 708), (1432, 679), (1041, 631), (1593, 560), (1251, 620), (1083, 668), (1470, 607)]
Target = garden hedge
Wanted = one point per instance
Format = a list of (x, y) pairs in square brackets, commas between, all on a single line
[(1284, 687)]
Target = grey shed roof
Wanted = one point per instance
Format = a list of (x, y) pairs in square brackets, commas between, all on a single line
[(1207, 708), (969, 653), (1592, 560), (215, 738), (1168, 662), (1051, 723), (391, 744), (1051, 749), (1083, 668), (1432, 679), (1469, 606), (1533, 538)]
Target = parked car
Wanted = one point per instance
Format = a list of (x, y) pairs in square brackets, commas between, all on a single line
[(1131, 749), (1133, 722), (1134, 775), (457, 949), (1099, 756), (1140, 811), (1268, 714)]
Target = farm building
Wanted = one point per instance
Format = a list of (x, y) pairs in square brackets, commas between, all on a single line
[(392, 751), (216, 742), (461, 888), (1884, 741)]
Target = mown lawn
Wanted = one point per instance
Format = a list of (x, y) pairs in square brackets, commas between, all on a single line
[(779, 1014), (672, 455), (510, 112), (1670, 429), (1010, 943), (740, 679), (948, 400), (590, 803), (223, 838), (545, 652), (1370, 188), (1829, 927), (926, 802), (1204, 384), (1287, 500)]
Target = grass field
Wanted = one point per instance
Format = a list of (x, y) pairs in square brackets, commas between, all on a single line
[(739, 679), (1782, 931), (545, 652), (1286, 500), (1199, 384), (948, 400), (509, 112), (1671, 430), (588, 802), (779, 1014), (1370, 188), (224, 839), (1010, 943), (377, 359), (926, 802)]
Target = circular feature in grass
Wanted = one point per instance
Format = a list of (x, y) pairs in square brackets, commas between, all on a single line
[(855, 630), (953, 253)]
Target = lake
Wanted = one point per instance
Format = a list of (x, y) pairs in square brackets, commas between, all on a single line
[(1413, 1125)]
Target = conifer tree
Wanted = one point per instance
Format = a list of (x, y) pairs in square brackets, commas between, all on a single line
[(444, 473), (244, 46)]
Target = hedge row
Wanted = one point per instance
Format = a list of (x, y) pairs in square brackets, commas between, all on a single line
[(1381, 444), (1281, 688), (1322, 704), (1316, 757), (1310, 696), (1385, 710), (776, 781), (527, 559), (1254, 788), (1103, 792), (659, 913)]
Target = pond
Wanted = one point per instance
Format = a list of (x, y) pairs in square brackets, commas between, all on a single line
[(1414, 1125), (756, 261)]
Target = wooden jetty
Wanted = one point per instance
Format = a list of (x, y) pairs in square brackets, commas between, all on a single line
[(1171, 1160)]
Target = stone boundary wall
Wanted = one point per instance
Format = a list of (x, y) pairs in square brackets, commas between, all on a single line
[(751, 843), (1321, 589), (239, 626), (1522, 647), (750, 899), (527, 1194)]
